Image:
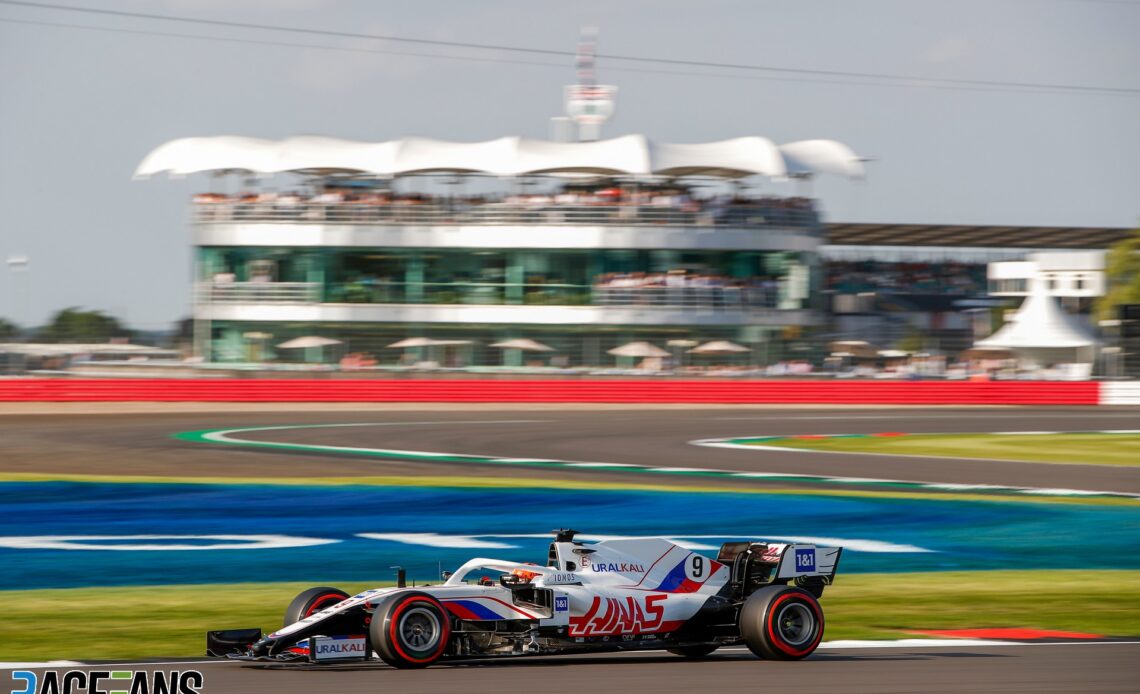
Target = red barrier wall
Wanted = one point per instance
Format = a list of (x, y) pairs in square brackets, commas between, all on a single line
[(598, 391)]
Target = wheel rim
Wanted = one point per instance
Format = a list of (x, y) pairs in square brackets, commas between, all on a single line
[(795, 623), (419, 629)]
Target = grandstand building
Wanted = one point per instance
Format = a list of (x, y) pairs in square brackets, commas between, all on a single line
[(579, 246), (886, 283)]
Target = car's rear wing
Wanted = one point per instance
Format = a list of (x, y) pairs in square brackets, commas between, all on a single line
[(757, 563), (798, 561)]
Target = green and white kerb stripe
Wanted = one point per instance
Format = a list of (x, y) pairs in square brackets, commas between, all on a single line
[(231, 437)]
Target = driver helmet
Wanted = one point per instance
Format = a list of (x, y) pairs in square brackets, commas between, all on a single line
[(525, 576)]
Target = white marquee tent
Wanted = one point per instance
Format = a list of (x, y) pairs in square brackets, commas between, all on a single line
[(507, 156), (1042, 332)]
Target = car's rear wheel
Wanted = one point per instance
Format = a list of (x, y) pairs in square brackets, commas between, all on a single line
[(312, 601), (410, 630), (694, 651), (781, 623)]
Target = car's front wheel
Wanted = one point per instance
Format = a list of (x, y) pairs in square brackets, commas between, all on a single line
[(410, 630), (312, 601), (781, 623)]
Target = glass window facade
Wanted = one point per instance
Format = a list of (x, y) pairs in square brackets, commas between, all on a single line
[(1018, 285), (770, 279)]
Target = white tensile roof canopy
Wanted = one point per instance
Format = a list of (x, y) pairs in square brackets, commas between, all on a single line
[(632, 155), (1042, 331), (1040, 323)]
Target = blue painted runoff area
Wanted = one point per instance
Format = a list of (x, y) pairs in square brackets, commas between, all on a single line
[(68, 534)]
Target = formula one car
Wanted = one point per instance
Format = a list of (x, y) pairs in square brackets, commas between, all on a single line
[(614, 595)]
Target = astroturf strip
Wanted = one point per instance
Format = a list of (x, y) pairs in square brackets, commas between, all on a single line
[(499, 483)]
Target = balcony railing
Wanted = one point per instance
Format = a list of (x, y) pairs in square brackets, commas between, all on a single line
[(714, 298), (490, 294), (475, 293), (258, 292), (502, 214)]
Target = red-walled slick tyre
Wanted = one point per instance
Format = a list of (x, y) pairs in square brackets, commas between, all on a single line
[(781, 623), (410, 630), (312, 601)]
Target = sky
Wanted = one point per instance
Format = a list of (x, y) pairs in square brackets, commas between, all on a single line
[(80, 108)]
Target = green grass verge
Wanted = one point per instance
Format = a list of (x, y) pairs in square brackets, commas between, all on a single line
[(170, 621), (136, 621), (1085, 449)]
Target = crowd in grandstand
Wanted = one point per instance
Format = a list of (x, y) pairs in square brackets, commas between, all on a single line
[(953, 278), (366, 204), (683, 287)]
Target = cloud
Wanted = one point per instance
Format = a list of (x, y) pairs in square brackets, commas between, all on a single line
[(948, 50)]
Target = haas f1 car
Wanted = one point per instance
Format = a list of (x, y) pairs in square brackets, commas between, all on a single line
[(614, 595)]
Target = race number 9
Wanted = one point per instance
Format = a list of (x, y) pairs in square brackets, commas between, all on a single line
[(696, 568)]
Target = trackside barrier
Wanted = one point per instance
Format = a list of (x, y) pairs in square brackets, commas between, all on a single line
[(1120, 393), (565, 391)]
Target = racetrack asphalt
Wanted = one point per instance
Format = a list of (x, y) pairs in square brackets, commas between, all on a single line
[(140, 444), (1057, 667)]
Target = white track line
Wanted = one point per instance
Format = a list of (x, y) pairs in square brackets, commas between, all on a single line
[(34, 666), (1031, 491)]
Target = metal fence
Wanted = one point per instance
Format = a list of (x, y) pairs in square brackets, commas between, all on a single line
[(502, 214)]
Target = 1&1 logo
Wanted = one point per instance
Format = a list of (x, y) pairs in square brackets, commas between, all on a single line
[(108, 682), (805, 560)]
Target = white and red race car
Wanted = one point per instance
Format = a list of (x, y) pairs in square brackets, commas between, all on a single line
[(630, 594)]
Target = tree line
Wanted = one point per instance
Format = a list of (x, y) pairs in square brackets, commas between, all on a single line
[(72, 324)]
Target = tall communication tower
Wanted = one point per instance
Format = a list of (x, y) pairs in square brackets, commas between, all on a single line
[(588, 104)]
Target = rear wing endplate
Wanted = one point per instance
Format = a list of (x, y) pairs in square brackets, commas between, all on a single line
[(809, 560)]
